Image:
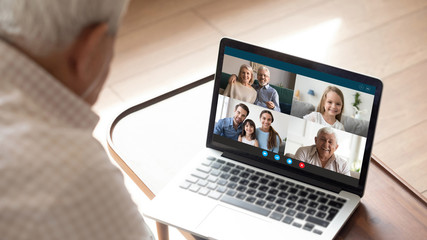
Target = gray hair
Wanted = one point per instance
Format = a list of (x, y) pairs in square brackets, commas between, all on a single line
[(327, 130), (265, 69), (42, 26)]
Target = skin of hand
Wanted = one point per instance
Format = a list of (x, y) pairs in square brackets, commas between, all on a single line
[(270, 104), (232, 79)]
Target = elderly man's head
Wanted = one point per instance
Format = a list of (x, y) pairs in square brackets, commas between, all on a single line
[(326, 143), (72, 40)]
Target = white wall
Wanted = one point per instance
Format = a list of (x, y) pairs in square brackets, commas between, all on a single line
[(303, 84)]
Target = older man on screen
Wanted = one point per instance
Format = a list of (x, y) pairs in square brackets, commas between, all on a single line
[(267, 96), (321, 154), (56, 181)]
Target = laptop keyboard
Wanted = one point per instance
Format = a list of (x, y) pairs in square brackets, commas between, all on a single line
[(264, 194)]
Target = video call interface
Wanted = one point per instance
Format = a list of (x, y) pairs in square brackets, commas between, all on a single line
[(293, 115)]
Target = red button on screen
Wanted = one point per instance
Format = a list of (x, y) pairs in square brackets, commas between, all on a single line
[(301, 165)]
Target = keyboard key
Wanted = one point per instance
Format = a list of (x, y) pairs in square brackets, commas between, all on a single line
[(290, 183), (276, 216), (240, 167), (308, 227), (298, 225), (303, 201), (220, 161), (253, 185), (204, 191), (185, 185), (290, 205), (194, 188), (232, 185), (250, 199), (273, 184), (245, 205), (310, 211), (231, 192), (313, 204), (288, 219), (301, 216), (244, 182), (293, 190), (260, 202), (270, 198), (241, 196), (234, 179), (230, 164), (292, 198), (226, 169), (291, 212), (254, 178), (300, 208), (222, 182), (283, 195), (273, 191), (204, 169), (225, 176), (321, 214), (216, 165), (302, 194), (323, 208), (221, 189), (241, 188), (263, 188), (280, 201), (316, 231), (312, 197), (283, 187), (330, 196), (341, 200), (335, 204), (270, 205), (280, 209), (251, 191), (322, 200), (244, 175), (317, 221), (263, 181), (261, 195)]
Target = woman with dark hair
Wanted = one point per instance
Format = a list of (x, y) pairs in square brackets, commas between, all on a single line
[(267, 137)]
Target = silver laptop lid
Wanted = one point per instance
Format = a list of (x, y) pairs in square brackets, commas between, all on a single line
[(295, 117)]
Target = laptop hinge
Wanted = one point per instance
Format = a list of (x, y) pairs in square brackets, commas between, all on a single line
[(283, 172)]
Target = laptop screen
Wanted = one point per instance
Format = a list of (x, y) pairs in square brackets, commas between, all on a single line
[(294, 114)]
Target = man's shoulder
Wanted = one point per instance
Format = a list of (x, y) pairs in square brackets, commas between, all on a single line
[(340, 160)]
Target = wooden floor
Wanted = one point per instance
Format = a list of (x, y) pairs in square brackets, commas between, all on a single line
[(166, 44)]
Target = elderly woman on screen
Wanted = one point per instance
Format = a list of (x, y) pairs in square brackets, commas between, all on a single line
[(242, 88)]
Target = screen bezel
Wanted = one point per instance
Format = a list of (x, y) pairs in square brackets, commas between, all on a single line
[(357, 187)]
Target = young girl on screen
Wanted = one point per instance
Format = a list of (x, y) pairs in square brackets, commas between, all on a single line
[(248, 133), (329, 110)]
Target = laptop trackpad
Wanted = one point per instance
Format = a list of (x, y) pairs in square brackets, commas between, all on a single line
[(227, 223)]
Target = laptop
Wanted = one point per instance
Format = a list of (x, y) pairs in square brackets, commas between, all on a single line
[(285, 158)]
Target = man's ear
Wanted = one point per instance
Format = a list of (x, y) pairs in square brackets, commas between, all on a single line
[(315, 140), (85, 46)]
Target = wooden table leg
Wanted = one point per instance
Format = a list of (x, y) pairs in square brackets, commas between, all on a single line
[(162, 231)]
